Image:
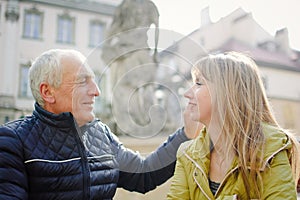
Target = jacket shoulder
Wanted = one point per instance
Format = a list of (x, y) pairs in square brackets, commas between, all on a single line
[(107, 132), (10, 128), (184, 147)]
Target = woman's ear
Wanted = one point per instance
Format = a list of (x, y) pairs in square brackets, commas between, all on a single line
[(47, 93)]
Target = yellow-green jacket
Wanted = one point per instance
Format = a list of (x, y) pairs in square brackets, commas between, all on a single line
[(190, 180)]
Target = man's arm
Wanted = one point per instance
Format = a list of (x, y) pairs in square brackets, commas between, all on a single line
[(144, 174), (13, 179), (144, 182)]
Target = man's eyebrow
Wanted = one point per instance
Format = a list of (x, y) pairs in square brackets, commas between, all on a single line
[(85, 75)]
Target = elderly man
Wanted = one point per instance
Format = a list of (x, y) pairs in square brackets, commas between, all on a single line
[(62, 152)]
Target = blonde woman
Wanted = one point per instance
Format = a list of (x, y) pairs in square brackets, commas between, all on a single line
[(242, 152)]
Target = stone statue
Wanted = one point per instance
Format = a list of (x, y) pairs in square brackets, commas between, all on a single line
[(133, 66), (128, 30)]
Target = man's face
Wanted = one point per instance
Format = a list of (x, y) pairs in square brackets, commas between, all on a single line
[(77, 92)]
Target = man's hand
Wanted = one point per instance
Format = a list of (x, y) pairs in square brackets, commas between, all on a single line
[(191, 128)]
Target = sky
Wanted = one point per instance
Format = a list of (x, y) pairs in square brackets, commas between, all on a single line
[(184, 16)]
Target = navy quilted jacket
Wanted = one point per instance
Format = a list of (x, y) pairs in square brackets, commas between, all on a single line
[(40, 161)]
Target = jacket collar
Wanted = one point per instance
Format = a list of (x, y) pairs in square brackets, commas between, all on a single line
[(201, 146), (62, 120)]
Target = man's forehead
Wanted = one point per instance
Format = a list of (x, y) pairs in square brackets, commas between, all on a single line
[(78, 70), (84, 71)]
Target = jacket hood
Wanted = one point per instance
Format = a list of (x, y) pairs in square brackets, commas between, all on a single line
[(275, 141)]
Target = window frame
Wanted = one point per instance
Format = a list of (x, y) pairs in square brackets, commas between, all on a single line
[(94, 39), (35, 26), (68, 36), (24, 82)]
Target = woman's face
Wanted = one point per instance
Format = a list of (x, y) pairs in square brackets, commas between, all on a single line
[(199, 103)]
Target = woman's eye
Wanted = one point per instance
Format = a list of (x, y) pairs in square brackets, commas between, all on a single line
[(198, 83)]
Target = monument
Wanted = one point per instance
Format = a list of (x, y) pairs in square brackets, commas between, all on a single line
[(133, 64)]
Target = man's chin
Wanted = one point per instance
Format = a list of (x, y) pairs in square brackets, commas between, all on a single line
[(91, 117), (82, 120)]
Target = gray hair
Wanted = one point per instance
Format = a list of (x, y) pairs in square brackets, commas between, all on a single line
[(47, 68)]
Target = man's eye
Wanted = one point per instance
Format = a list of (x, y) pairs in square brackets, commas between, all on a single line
[(81, 81), (198, 83)]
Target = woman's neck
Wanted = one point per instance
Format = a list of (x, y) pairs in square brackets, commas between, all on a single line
[(215, 135)]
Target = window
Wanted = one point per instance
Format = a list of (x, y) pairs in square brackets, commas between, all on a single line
[(33, 24), (0, 15), (96, 33), (24, 82), (66, 29)]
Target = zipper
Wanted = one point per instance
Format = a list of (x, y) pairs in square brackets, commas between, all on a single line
[(84, 163), (202, 171), (226, 176), (198, 166)]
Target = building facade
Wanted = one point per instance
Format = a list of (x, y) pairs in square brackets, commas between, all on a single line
[(30, 27)]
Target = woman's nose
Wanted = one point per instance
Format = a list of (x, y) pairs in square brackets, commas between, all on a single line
[(189, 93)]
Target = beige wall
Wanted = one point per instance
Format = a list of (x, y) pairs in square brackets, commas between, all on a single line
[(157, 194), (281, 83), (287, 114), (283, 89)]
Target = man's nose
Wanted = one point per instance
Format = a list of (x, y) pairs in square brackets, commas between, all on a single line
[(94, 90)]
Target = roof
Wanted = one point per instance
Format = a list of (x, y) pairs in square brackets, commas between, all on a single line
[(262, 56), (83, 5)]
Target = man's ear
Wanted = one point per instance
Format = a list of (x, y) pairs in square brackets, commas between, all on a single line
[(47, 93)]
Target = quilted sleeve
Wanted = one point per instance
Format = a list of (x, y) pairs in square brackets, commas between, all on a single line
[(13, 179), (142, 174)]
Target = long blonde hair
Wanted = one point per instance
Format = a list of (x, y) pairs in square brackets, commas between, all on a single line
[(239, 96)]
